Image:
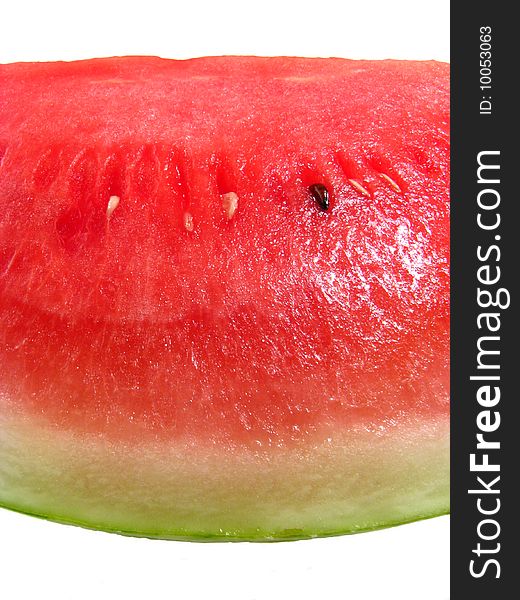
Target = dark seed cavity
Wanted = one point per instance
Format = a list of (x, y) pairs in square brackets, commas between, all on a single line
[(320, 194)]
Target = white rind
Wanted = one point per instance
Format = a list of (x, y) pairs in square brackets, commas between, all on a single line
[(351, 482)]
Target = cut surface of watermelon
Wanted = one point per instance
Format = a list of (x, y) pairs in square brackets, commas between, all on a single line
[(224, 294)]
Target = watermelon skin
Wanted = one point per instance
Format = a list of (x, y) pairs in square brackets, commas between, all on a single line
[(190, 347)]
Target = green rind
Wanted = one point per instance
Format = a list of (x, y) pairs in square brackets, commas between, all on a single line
[(261, 536)]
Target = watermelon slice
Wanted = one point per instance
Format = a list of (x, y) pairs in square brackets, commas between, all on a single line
[(224, 294)]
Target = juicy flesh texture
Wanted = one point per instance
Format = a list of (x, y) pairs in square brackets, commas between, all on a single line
[(167, 317)]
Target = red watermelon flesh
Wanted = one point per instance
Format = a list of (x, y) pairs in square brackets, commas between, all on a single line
[(191, 345)]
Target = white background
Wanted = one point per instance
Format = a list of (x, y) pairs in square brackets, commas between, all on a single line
[(45, 560)]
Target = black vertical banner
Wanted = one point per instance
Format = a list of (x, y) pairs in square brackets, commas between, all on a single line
[(485, 264)]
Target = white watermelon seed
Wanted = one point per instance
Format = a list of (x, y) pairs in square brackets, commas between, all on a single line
[(112, 205), (355, 184), (229, 204), (188, 221), (392, 183)]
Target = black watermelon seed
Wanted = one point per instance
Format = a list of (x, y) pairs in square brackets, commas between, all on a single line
[(320, 194)]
